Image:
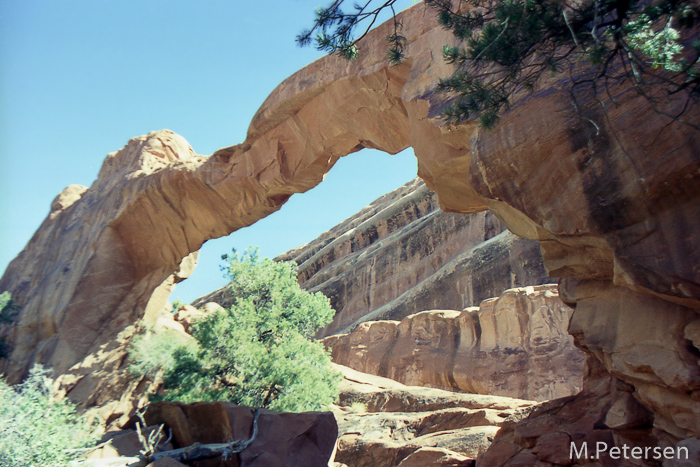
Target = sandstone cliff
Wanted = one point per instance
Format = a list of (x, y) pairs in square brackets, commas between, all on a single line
[(402, 255), (615, 207), (515, 345)]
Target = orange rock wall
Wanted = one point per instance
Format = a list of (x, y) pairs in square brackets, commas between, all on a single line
[(615, 208), (401, 255), (515, 345)]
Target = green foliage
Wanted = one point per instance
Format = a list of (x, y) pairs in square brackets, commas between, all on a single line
[(8, 308), (662, 47), (8, 313), (335, 30), (507, 47), (36, 431), (259, 353), (358, 407), (153, 352), (177, 304)]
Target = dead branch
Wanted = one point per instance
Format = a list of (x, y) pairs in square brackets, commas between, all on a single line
[(149, 441), (194, 452)]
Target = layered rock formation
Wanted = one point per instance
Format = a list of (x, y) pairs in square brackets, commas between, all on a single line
[(610, 191), (515, 345), (402, 254), (400, 425)]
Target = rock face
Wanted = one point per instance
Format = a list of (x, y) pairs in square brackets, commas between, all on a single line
[(515, 345), (615, 207), (104, 382), (80, 279), (402, 254), (282, 439), (378, 422), (398, 425)]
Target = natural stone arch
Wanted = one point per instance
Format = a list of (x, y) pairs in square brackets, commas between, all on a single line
[(617, 214), (157, 201)]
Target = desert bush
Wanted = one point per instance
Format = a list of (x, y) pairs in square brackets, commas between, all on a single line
[(259, 352), (8, 308), (8, 313), (154, 351), (36, 431), (358, 407)]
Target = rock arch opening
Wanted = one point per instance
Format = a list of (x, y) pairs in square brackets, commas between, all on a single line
[(352, 184), (95, 263)]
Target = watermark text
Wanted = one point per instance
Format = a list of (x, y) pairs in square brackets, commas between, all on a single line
[(584, 451)]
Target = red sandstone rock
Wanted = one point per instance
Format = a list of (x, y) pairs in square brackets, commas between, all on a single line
[(404, 425), (402, 255), (186, 315), (436, 457), (545, 436), (516, 345), (283, 439), (380, 394), (615, 208)]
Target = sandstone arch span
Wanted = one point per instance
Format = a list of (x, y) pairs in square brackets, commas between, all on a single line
[(616, 213)]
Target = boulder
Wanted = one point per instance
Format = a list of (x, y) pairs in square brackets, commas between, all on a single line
[(186, 315), (283, 439)]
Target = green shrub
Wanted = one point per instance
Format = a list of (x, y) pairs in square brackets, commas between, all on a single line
[(35, 431), (259, 352), (8, 308), (8, 313), (153, 352), (358, 407)]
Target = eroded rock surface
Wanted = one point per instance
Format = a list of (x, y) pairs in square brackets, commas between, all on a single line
[(403, 425), (378, 422), (105, 382), (402, 255), (516, 345), (615, 207), (282, 439)]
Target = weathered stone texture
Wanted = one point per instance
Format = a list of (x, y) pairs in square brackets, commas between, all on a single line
[(403, 425), (515, 345), (283, 439), (402, 255), (615, 207)]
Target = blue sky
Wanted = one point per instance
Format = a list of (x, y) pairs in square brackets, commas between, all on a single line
[(79, 78)]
